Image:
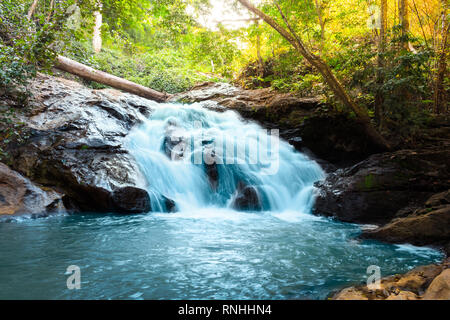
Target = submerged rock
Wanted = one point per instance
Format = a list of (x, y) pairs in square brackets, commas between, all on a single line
[(76, 143), (246, 198), (170, 205), (18, 195)]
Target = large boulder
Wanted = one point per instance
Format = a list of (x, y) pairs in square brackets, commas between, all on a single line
[(425, 226), (376, 189), (18, 195), (131, 200), (76, 143), (246, 198), (439, 289)]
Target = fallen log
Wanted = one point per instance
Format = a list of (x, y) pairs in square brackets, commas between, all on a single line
[(85, 72)]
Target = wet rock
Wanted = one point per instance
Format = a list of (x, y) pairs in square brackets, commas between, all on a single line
[(76, 142), (131, 200), (170, 205), (296, 141), (175, 143), (18, 195), (213, 175), (174, 147), (210, 163), (246, 198), (429, 226), (374, 190)]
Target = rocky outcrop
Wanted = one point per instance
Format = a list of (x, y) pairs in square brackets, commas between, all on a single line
[(246, 198), (431, 282), (131, 200), (380, 187), (76, 144), (18, 195), (305, 122), (429, 225), (439, 289)]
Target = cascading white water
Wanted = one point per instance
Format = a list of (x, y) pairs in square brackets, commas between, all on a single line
[(244, 153)]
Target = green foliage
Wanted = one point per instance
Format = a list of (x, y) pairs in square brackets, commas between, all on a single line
[(406, 82), (286, 72), (26, 46)]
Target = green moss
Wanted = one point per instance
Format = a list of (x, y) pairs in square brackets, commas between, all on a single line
[(369, 181)]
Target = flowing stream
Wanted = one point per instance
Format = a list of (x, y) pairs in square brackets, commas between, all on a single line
[(242, 226)]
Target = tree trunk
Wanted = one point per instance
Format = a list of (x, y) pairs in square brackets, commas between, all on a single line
[(50, 11), (258, 51), (89, 73), (32, 9), (322, 25), (97, 36), (361, 112), (439, 91), (403, 13), (379, 99)]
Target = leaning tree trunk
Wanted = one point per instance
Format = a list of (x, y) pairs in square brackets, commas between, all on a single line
[(89, 73), (326, 72)]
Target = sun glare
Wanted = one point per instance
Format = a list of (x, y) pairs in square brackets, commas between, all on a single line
[(227, 13)]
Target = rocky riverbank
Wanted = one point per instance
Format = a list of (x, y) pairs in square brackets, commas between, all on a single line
[(431, 282)]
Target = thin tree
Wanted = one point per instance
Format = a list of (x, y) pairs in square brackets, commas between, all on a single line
[(403, 13), (258, 50), (379, 99), (97, 36), (32, 9), (292, 37), (321, 23), (404, 21), (50, 11), (439, 92)]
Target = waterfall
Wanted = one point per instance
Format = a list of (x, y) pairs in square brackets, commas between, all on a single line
[(200, 158)]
